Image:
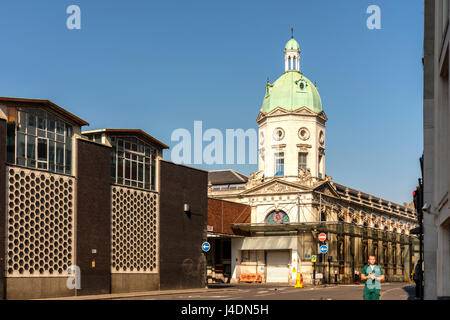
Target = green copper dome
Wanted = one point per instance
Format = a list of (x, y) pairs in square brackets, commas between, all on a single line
[(292, 44), (291, 92)]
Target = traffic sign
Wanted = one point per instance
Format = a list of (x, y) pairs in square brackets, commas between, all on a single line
[(313, 258), (206, 246), (324, 248), (322, 237)]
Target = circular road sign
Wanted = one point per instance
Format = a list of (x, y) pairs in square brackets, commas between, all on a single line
[(322, 237), (206, 246), (324, 249)]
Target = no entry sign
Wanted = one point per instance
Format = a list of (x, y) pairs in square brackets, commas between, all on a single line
[(322, 237)]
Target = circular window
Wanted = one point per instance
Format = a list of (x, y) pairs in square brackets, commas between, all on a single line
[(303, 134), (321, 137), (302, 85), (278, 134)]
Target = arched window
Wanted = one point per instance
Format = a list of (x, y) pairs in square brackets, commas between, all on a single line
[(277, 216)]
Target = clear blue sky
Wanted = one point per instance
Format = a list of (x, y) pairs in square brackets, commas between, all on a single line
[(160, 65)]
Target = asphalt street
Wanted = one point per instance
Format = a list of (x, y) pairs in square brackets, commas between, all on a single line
[(389, 291)]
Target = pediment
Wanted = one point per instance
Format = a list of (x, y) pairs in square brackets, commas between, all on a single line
[(305, 111), (327, 188), (275, 186), (279, 111)]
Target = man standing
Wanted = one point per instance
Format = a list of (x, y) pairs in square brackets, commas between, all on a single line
[(373, 275)]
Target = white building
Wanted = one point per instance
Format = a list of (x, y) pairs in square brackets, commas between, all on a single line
[(292, 199)]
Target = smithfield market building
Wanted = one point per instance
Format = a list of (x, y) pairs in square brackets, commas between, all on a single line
[(292, 200)]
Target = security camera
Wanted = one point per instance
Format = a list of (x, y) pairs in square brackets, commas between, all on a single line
[(426, 208)]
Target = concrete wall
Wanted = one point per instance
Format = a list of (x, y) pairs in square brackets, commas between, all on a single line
[(182, 262), (2, 207), (37, 288), (93, 217), (128, 282)]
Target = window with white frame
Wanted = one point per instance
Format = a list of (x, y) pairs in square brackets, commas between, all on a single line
[(38, 139), (302, 160), (279, 164), (133, 163)]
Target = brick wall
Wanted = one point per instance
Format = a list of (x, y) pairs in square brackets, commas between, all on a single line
[(222, 214), (182, 262), (94, 217)]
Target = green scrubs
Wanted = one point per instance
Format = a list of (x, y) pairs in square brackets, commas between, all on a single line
[(372, 287)]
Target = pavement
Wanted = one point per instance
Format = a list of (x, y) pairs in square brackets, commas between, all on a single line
[(389, 291)]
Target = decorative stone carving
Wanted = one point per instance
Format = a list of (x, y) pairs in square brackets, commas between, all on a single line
[(304, 175), (255, 178)]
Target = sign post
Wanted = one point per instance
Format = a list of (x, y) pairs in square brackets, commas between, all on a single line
[(313, 260)]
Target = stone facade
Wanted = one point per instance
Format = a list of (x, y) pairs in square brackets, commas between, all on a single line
[(436, 172)]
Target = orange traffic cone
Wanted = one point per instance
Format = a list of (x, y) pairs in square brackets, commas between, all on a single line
[(299, 282)]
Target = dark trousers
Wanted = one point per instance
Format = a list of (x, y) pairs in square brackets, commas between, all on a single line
[(417, 288)]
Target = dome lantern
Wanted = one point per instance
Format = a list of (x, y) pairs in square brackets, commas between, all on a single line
[(292, 54)]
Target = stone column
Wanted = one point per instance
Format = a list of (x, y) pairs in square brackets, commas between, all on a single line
[(370, 250), (348, 261), (390, 260)]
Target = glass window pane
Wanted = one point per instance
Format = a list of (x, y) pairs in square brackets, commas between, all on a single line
[(152, 174), (147, 173), (42, 165), (22, 121), (279, 164), (42, 149), (60, 137), (51, 155), (59, 154), (127, 169), (41, 124), (60, 127), (51, 125), (31, 124), (31, 147), (140, 172), (21, 145), (134, 170), (69, 131)]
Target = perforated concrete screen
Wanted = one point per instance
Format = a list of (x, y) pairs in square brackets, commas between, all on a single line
[(134, 231), (40, 223)]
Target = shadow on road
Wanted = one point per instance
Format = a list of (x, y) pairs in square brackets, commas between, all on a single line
[(411, 291)]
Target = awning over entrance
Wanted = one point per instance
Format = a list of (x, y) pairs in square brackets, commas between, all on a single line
[(269, 243)]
